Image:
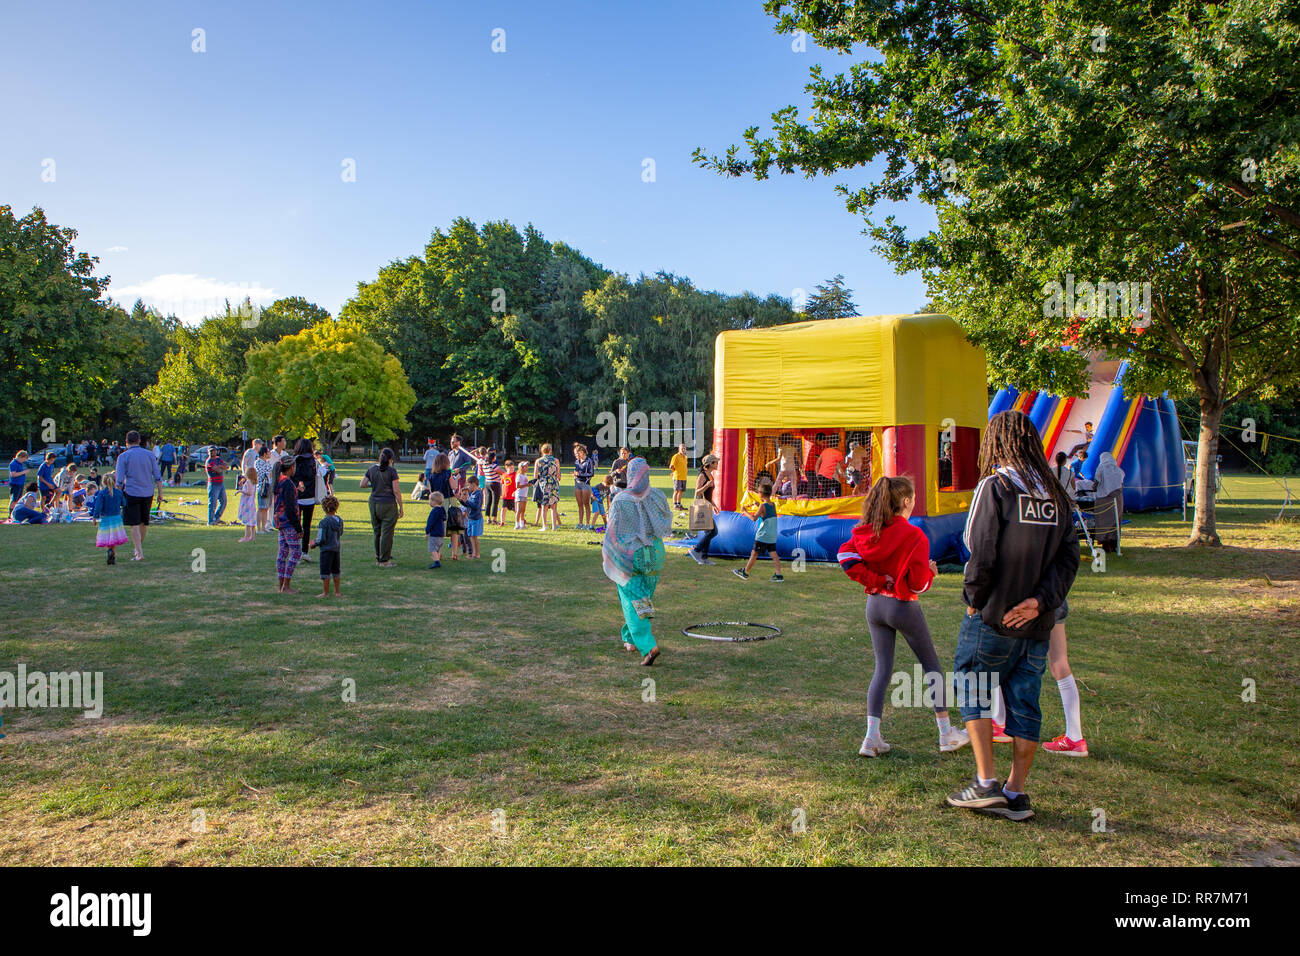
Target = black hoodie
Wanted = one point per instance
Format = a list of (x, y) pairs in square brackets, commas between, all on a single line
[(1022, 544)]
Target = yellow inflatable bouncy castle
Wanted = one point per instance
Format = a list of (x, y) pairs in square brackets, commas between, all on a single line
[(821, 409)]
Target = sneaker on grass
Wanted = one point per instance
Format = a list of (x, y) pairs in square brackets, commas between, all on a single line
[(1067, 747), (1017, 809), (778, 578), (976, 797), (740, 573), (1000, 735), (955, 739), (699, 558), (873, 746)]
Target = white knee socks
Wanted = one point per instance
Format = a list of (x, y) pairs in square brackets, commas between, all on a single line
[(1070, 704)]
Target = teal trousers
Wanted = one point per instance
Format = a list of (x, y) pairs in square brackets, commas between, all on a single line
[(647, 565)]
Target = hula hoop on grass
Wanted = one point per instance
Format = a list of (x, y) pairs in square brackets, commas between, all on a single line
[(732, 632)]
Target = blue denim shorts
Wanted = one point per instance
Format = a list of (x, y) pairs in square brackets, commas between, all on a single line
[(985, 660)]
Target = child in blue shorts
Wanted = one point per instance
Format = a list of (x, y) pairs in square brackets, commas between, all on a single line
[(764, 516)]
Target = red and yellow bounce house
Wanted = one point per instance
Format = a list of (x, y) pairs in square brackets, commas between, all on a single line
[(822, 409)]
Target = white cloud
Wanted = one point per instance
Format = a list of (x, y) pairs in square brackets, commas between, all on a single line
[(191, 297), (116, 249)]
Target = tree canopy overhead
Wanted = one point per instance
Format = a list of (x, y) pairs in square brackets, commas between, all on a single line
[(1094, 145)]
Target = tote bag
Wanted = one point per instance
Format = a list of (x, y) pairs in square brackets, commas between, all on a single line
[(701, 516)]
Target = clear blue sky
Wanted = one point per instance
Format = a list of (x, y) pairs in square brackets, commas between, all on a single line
[(222, 169)]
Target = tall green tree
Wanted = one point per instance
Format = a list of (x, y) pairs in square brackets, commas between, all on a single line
[(196, 396), (831, 301), (1071, 142), (56, 345), (318, 381), (140, 340)]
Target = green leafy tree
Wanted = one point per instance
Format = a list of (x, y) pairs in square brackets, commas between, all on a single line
[(56, 347), (831, 301), (140, 340), (315, 381), (1149, 148)]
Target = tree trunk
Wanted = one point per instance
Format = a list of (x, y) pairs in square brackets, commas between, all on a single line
[(1207, 450)]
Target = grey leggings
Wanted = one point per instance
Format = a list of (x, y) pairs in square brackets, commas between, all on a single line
[(886, 617)]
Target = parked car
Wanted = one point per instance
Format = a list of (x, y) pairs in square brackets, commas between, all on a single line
[(60, 456), (203, 452)]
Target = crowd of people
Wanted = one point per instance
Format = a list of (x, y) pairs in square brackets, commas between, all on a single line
[(1019, 532)]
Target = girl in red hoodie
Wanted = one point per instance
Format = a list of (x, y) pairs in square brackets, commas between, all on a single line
[(890, 558)]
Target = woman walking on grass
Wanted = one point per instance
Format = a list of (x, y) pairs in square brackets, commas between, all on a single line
[(633, 555), (385, 504)]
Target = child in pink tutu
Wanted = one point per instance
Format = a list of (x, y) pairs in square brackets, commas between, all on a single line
[(108, 511)]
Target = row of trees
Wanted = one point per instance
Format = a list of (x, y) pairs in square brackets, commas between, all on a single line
[(73, 364), (504, 330), (489, 328)]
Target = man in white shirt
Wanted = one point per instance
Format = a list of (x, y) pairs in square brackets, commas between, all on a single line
[(250, 456)]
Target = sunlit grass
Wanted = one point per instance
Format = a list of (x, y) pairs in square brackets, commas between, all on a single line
[(479, 692)]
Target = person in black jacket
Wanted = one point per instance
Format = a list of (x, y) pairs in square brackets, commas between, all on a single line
[(1023, 558), (304, 475)]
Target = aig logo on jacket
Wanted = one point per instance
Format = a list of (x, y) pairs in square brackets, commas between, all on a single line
[(1037, 510)]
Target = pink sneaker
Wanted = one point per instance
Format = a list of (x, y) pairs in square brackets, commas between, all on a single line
[(1000, 734), (1064, 745)]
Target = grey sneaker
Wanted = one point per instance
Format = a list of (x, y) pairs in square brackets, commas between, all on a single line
[(699, 558), (740, 573), (975, 797)]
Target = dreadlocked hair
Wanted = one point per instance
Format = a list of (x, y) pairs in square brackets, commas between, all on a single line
[(1012, 441), (886, 499)]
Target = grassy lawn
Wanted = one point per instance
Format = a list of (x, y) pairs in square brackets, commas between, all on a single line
[(479, 691)]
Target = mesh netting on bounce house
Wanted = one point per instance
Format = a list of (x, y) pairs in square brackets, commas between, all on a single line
[(822, 409), (827, 407)]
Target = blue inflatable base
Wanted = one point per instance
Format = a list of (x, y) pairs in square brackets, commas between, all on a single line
[(820, 538)]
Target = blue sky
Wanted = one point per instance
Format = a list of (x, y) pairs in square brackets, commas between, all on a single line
[(194, 176)]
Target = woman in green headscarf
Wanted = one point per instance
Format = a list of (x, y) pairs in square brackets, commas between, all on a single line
[(633, 554)]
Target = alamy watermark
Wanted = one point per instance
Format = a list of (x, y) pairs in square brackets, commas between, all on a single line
[(931, 689), (78, 690), (1127, 300), (649, 430)]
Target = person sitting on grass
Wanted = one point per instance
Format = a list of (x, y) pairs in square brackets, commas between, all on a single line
[(632, 554), (435, 529), (765, 520), (28, 510), (890, 558), (288, 521), (329, 542), (1023, 559)]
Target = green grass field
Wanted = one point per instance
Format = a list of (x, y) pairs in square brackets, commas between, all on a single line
[(479, 692)]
